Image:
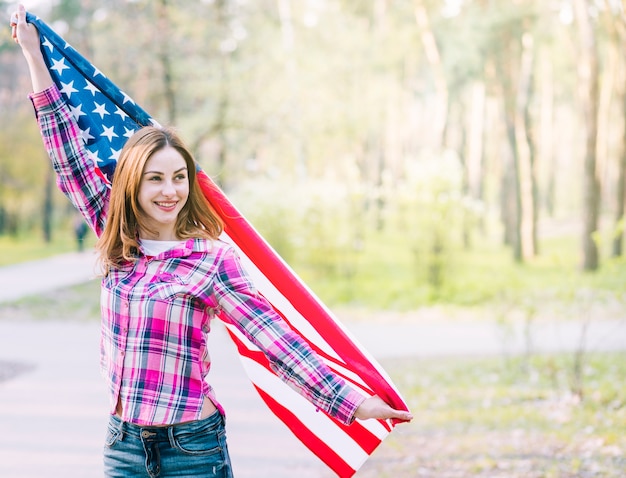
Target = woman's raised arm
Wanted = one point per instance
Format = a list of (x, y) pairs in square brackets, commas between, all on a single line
[(27, 36)]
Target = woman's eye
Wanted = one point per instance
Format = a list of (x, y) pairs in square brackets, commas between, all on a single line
[(181, 177), (154, 178)]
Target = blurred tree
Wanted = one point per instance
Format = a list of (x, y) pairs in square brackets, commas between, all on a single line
[(619, 23), (165, 57), (513, 60), (429, 43), (588, 72)]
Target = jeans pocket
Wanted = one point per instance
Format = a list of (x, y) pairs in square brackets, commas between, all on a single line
[(203, 442), (112, 436)]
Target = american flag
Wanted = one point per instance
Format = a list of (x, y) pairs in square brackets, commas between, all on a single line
[(107, 117)]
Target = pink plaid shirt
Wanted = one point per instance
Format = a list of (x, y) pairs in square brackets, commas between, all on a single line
[(157, 311)]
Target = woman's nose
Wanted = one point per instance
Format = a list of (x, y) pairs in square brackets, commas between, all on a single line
[(168, 188)]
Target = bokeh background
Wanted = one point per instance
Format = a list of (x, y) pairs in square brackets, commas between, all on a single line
[(459, 160)]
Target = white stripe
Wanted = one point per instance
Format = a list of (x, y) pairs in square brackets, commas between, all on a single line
[(317, 422), (279, 387)]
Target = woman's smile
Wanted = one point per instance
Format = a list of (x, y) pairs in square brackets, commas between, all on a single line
[(167, 206)]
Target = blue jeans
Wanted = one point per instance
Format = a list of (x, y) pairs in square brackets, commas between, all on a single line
[(186, 450)]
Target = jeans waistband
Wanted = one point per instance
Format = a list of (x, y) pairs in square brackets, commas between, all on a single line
[(158, 433)]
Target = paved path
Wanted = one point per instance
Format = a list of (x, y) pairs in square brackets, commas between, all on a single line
[(52, 417), (42, 276)]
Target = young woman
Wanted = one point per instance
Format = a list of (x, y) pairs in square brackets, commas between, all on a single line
[(165, 274)]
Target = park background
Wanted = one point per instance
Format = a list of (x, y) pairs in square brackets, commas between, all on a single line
[(456, 160)]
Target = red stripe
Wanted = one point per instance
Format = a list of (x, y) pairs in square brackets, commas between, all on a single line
[(312, 441), (268, 262), (357, 432), (332, 362)]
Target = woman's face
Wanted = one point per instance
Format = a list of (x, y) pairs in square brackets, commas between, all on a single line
[(163, 192)]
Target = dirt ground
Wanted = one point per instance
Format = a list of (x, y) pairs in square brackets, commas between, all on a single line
[(514, 454)]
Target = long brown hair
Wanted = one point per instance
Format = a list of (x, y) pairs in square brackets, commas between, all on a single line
[(118, 244)]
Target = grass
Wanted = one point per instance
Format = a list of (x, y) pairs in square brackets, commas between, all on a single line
[(388, 275), (29, 247), (80, 302), (513, 418)]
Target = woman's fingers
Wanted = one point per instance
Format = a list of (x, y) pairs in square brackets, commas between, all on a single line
[(375, 407)]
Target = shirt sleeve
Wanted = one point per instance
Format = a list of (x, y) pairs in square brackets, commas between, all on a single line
[(76, 173), (289, 355)]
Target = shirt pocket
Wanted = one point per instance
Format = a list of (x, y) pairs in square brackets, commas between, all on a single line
[(168, 287)]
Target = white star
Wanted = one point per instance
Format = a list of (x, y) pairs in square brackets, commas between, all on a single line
[(91, 87), (86, 135), (77, 111), (68, 88), (96, 72), (115, 154), (127, 98), (101, 110), (119, 112), (59, 65), (48, 45), (94, 157), (109, 133), (128, 132)]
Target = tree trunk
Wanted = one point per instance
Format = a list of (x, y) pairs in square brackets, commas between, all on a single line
[(606, 166), (618, 240), (475, 141), (165, 60), (545, 147), (620, 199), (47, 206), (526, 188), (440, 116), (509, 208), (588, 82), (294, 102), (520, 181)]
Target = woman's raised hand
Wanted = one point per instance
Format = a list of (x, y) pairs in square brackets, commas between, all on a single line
[(23, 33), (27, 36)]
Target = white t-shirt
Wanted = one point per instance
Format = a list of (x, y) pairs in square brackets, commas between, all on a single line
[(154, 248)]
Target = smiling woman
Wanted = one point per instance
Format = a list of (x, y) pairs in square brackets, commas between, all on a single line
[(156, 310)]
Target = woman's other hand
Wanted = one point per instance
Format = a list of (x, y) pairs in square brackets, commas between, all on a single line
[(375, 407)]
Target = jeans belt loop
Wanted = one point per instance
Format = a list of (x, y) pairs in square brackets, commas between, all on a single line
[(121, 430)]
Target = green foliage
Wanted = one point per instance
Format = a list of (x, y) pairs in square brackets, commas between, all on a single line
[(78, 303), (480, 416), (404, 247), (29, 247), (22, 172)]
